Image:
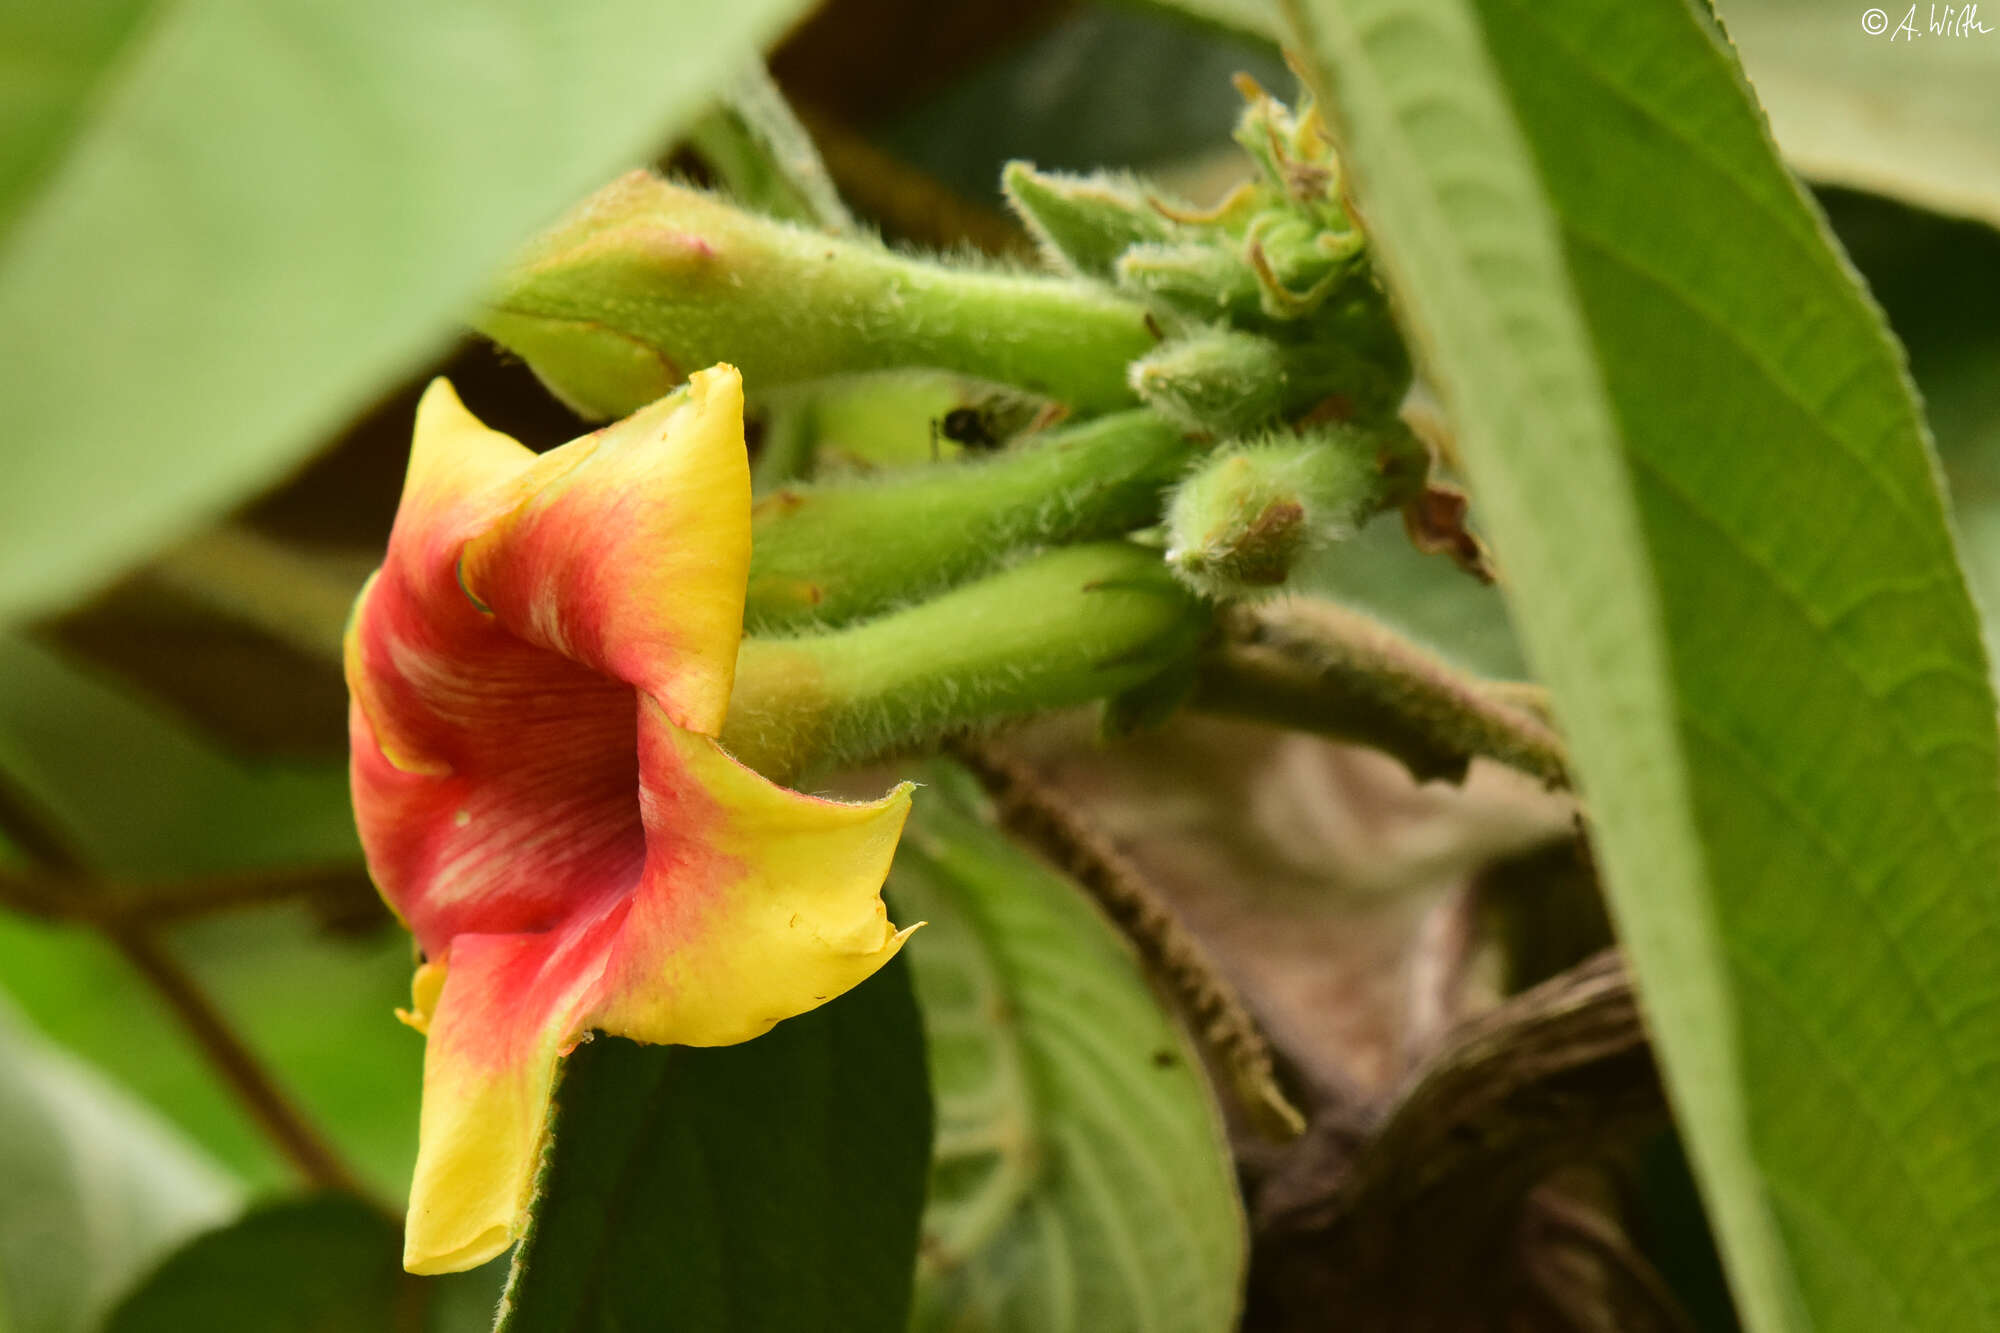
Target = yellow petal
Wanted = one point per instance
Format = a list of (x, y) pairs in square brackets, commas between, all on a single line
[(457, 461), (630, 550), (773, 908), (425, 987), (505, 1013)]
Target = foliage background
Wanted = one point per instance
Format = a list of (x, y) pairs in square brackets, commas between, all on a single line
[(283, 209)]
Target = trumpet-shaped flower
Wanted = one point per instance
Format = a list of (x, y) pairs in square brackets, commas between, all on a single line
[(538, 671)]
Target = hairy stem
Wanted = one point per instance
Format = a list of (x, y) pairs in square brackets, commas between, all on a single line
[(1316, 667), (831, 553), (1069, 626)]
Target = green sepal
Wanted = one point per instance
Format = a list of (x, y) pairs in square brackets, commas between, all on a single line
[(1083, 223)]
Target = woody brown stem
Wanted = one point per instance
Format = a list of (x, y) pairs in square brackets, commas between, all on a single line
[(1409, 1214)]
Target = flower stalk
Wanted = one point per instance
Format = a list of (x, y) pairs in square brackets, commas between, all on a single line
[(831, 553), (1071, 626)]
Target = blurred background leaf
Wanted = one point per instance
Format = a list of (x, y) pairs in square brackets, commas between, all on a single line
[(1915, 119), (150, 800), (246, 218), (97, 1188), (1082, 1175), (321, 1264)]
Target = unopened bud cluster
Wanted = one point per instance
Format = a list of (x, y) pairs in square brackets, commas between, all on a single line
[(1114, 393), (1270, 306)]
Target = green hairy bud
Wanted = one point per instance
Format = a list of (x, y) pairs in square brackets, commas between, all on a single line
[(1239, 525), (1218, 381), (1203, 282)]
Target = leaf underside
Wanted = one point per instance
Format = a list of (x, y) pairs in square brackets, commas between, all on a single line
[(1707, 480)]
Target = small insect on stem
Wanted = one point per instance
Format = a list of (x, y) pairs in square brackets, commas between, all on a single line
[(971, 427)]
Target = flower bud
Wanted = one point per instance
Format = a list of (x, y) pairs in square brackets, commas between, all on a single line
[(1217, 381), (1240, 524)]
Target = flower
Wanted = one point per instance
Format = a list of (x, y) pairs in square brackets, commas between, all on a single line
[(538, 672)]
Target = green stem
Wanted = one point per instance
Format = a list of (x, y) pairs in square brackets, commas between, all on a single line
[(835, 552), (1071, 626), (647, 281)]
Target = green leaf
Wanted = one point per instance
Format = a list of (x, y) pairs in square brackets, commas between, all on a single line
[(52, 61), (271, 210), (1704, 473), (317, 1009), (96, 1188), (1914, 117), (326, 1264), (141, 795), (771, 1186), (1082, 1177)]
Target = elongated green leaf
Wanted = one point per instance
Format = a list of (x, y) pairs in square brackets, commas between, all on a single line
[(327, 1264), (95, 1188), (1706, 477), (264, 211), (772, 1187), (1082, 1180), (1911, 109)]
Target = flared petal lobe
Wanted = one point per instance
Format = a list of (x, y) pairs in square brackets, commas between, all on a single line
[(758, 903)]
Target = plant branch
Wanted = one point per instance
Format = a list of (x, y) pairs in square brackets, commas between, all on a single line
[(1413, 1198), (275, 1113), (1317, 667), (1169, 948), (36, 835), (69, 897)]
